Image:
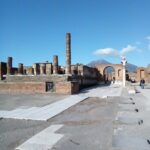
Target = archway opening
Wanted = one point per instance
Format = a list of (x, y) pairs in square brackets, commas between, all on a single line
[(109, 74)]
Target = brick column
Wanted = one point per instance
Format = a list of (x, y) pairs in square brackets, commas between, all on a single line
[(9, 65), (49, 68), (36, 68), (55, 64), (20, 68), (68, 53), (42, 68)]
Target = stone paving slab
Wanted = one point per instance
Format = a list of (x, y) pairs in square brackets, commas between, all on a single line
[(103, 92), (43, 113), (44, 140), (132, 128)]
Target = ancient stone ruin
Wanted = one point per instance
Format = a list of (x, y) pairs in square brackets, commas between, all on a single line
[(51, 77), (44, 76)]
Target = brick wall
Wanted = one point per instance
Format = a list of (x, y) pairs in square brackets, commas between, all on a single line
[(23, 87), (67, 87), (84, 81), (37, 78)]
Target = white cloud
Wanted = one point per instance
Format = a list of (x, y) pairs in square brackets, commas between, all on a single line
[(107, 52), (149, 46), (114, 52), (127, 49), (138, 43), (148, 38)]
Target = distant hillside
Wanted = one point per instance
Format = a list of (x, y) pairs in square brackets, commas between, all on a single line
[(148, 68), (129, 67), (100, 61)]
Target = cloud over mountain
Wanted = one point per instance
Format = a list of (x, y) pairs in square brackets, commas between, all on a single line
[(114, 52), (127, 49), (106, 51)]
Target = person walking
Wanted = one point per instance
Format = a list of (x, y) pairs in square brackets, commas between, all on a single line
[(142, 83)]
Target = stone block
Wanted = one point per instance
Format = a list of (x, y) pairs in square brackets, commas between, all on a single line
[(67, 87)]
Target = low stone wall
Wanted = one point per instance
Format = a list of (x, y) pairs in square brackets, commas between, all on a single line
[(36, 78), (23, 87), (67, 87), (38, 87), (84, 81), (46, 83)]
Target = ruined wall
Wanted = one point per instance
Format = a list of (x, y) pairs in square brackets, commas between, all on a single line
[(38, 87), (142, 73), (34, 84), (49, 68), (22, 87), (85, 75), (117, 67), (67, 87), (84, 71), (38, 78), (29, 70)]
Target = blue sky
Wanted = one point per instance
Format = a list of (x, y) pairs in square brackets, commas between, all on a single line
[(34, 30)]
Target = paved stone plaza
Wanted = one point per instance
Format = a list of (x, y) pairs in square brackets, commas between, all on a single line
[(98, 118)]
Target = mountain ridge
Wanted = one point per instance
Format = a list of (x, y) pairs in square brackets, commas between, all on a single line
[(129, 67)]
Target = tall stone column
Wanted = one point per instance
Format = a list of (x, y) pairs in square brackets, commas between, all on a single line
[(68, 53), (55, 64), (20, 68), (9, 65)]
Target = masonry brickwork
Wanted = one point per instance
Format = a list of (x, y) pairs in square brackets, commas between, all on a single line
[(117, 70), (22, 87), (46, 76), (67, 87)]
